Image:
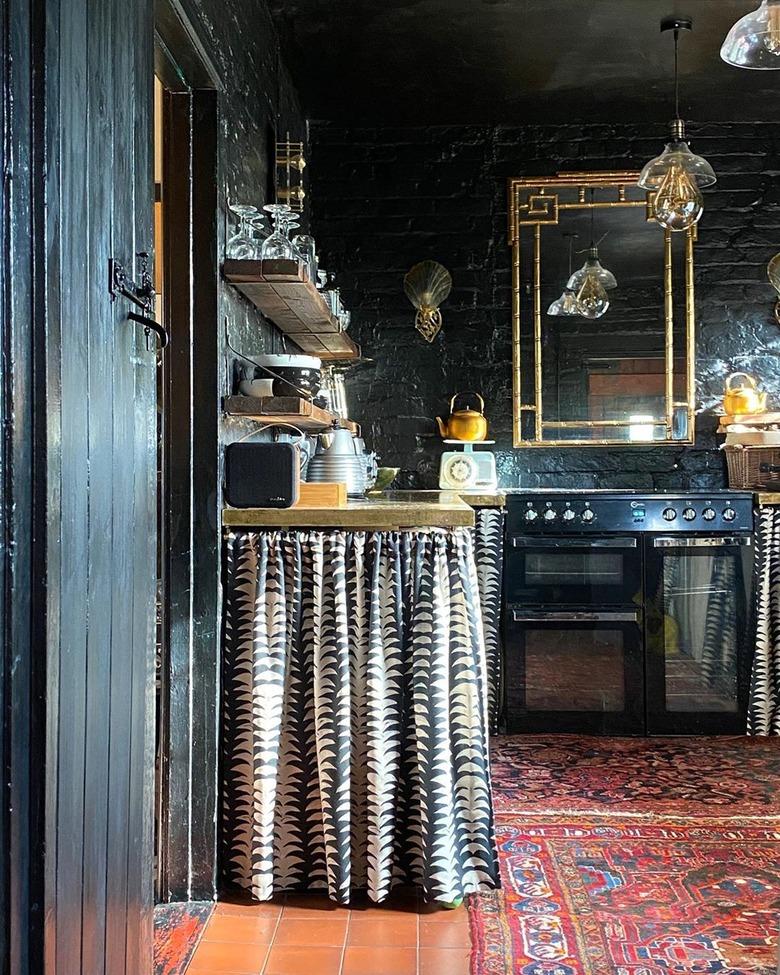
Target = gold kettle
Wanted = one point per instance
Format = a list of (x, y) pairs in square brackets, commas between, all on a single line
[(465, 424), (742, 395)]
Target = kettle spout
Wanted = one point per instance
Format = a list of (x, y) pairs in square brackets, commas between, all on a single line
[(442, 428)]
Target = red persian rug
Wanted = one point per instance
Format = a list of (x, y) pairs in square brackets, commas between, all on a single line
[(648, 881), (177, 930)]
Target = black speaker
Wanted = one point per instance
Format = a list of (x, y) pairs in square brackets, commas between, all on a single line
[(262, 475)]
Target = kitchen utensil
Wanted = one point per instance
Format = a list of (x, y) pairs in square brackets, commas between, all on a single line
[(294, 375), (340, 456), (464, 424), (742, 395), (385, 477), (256, 387), (468, 470)]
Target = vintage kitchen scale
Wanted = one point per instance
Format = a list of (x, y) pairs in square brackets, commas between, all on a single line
[(466, 428), (468, 469)]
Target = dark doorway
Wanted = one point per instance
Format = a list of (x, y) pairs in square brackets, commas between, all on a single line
[(187, 645)]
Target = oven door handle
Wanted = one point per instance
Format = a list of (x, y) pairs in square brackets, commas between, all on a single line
[(574, 616), (716, 541), (525, 541)]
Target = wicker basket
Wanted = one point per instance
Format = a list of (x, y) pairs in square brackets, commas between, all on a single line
[(752, 468)]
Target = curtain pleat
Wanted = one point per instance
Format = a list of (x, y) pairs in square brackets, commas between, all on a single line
[(764, 713), (355, 715), (489, 556)]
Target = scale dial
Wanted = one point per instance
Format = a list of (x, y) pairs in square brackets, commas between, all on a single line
[(460, 471)]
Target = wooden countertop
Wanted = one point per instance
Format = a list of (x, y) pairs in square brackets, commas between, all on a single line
[(475, 499), (768, 497), (443, 511)]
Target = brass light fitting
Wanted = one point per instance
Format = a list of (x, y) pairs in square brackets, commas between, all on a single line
[(678, 175), (427, 285)]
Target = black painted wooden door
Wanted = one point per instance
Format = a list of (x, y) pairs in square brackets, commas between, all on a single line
[(101, 480)]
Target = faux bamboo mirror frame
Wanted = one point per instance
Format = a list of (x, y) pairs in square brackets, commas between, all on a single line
[(622, 373)]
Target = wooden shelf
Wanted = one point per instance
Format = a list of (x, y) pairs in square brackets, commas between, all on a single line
[(282, 291), (300, 413)]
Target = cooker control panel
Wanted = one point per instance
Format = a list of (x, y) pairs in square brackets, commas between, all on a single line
[(606, 512)]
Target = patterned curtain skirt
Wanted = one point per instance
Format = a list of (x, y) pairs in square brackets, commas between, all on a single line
[(764, 713), (355, 715)]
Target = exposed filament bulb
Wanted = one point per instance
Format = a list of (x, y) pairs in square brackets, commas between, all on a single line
[(592, 298), (678, 202)]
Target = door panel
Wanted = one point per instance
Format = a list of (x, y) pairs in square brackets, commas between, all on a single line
[(101, 519), (696, 628), (574, 671)]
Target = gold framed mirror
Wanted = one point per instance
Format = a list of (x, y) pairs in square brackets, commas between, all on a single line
[(603, 342)]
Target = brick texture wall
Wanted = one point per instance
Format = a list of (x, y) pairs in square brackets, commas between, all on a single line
[(385, 198)]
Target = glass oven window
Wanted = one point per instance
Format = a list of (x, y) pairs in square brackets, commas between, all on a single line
[(574, 670), (562, 568), (700, 617)]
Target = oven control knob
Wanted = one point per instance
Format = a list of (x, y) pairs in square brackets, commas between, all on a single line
[(531, 515), (689, 514), (669, 514), (708, 514), (729, 514), (550, 514), (588, 515), (568, 515)]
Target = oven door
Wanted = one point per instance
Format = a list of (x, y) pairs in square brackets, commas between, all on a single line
[(697, 628), (579, 571), (575, 671)]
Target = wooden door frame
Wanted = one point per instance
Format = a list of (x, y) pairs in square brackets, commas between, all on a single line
[(190, 381), (23, 486)]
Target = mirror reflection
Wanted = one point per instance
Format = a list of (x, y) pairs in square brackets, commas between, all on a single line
[(603, 315)]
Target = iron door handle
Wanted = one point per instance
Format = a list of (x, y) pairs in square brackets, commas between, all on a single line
[(150, 325)]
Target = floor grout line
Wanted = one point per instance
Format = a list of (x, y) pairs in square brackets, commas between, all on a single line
[(346, 942)]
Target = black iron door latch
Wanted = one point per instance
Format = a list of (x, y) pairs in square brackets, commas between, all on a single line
[(140, 293)]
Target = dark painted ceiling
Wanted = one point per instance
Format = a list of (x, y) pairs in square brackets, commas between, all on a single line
[(376, 62)]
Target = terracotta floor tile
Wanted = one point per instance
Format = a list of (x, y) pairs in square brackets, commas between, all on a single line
[(311, 905), (285, 960), (445, 961), (250, 908), (241, 928), (223, 958), (392, 930), (438, 934), (380, 961), (329, 932)]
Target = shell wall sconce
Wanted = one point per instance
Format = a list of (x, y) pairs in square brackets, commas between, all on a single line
[(773, 273), (427, 285)]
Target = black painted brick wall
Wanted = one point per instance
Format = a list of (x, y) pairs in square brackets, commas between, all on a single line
[(385, 198), (256, 99)]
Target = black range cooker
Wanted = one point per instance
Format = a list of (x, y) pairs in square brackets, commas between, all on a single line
[(628, 613)]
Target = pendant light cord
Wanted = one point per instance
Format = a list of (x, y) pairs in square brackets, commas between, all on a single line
[(676, 74)]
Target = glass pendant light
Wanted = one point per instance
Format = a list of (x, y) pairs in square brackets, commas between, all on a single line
[(591, 283), (754, 41), (567, 303), (678, 175)]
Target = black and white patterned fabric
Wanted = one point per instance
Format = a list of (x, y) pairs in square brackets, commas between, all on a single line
[(355, 715), (764, 713), (489, 555)]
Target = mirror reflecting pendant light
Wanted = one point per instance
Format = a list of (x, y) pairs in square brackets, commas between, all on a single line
[(567, 303), (754, 41), (678, 175), (593, 280)]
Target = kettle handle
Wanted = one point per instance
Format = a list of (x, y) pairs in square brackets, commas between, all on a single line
[(751, 383), (468, 392)]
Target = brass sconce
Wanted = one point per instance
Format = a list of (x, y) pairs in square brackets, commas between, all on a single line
[(773, 273), (290, 164), (427, 285)]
